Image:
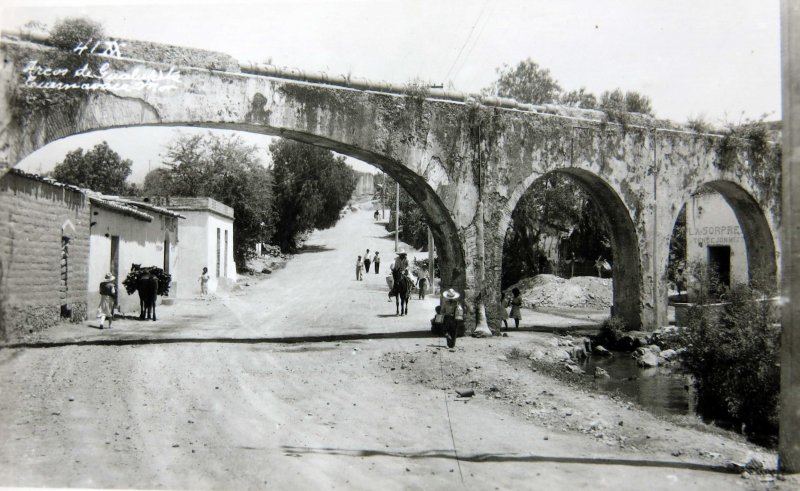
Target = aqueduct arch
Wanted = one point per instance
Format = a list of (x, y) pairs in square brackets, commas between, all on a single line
[(762, 256), (626, 269), (449, 150)]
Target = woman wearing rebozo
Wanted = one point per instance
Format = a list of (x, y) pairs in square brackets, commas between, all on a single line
[(108, 295)]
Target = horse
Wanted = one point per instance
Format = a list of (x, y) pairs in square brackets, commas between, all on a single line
[(402, 291), (147, 286)]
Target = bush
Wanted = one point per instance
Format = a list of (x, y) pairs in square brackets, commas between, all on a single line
[(611, 331), (69, 33), (734, 358)]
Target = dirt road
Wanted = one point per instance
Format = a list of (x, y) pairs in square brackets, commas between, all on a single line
[(211, 412)]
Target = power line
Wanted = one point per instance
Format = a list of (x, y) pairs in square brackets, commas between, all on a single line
[(474, 42), (480, 14)]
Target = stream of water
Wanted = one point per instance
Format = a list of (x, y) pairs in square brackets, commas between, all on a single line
[(659, 390)]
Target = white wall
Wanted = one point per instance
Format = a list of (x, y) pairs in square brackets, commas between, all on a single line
[(198, 248), (141, 242), (710, 221)]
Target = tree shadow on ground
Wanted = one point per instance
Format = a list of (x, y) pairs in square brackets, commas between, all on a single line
[(510, 457), (313, 248)]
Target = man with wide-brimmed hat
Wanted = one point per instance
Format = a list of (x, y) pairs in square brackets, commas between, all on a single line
[(108, 294), (451, 310), (397, 267)]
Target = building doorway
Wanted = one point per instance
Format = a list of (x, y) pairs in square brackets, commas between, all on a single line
[(719, 265)]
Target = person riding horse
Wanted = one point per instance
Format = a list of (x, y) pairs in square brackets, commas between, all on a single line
[(399, 265)]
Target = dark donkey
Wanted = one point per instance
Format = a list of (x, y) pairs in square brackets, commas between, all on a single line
[(147, 286)]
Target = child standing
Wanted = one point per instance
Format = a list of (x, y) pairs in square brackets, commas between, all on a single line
[(108, 293), (504, 309), (377, 262), (516, 305), (204, 277)]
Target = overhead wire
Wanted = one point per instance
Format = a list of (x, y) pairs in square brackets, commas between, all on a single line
[(475, 41), (480, 14)]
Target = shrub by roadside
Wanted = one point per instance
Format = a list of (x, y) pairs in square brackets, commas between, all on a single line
[(735, 362)]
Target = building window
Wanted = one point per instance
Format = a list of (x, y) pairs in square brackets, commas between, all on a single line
[(218, 244)]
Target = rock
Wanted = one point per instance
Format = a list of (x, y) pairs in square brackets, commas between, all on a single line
[(574, 369), (754, 465), (577, 353), (649, 359), (266, 271), (561, 355), (654, 348), (502, 358), (669, 354), (537, 354), (601, 351), (600, 373)]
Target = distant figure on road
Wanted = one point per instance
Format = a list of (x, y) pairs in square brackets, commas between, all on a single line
[(359, 268), (377, 261), (108, 293), (516, 305), (376, 215), (366, 261), (204, 277), (422, 285)]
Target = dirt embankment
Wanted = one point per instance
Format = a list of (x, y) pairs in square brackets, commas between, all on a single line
[(505, 372), (546, 290)]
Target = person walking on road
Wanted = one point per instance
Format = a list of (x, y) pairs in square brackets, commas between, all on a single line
[(451, 311), (359, 268), (516, 305), (422, 285), (366, 261), (377, 262), (108, 294)]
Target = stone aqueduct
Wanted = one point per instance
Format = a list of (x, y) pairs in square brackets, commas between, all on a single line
[(465, 160)]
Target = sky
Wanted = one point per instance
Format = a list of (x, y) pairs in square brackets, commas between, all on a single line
[(719, 59)]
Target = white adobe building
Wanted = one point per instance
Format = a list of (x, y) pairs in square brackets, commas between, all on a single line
[(714, 237), (125, 232), (206, 241)]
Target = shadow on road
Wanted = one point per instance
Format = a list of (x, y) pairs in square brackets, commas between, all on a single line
[(487, 457), (313, 249), (277, 340)]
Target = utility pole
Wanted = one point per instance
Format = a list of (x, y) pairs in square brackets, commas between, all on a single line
[(789, 416), (431, 265), (383, 198), (397, 217)]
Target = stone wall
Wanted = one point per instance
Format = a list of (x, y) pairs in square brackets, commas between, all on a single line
[(37, 287)]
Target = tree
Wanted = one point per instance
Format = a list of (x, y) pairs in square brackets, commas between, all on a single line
[(228, 170), (100, 169), (527, 82), (580, 98), (413, 224), (311, 188), (616, 101), (68, 33)]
